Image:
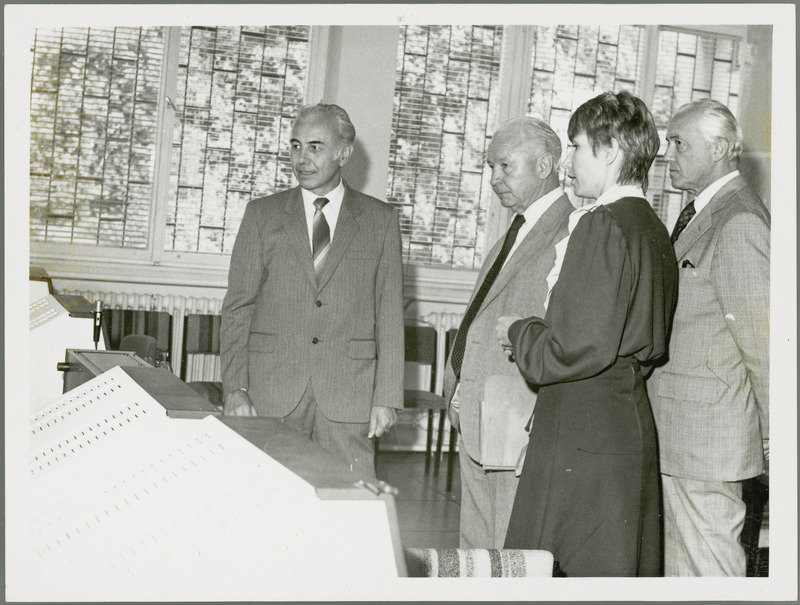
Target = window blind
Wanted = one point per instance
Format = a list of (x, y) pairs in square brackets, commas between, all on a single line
[(93, 111), (239, 89), (572, 64), (445, 107)]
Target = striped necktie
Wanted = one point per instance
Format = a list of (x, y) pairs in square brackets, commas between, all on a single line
[(321, 235)]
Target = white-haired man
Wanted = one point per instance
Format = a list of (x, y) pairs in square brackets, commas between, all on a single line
[(711, 399), (523, 157)]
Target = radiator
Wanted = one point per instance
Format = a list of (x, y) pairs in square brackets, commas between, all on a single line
[(207, 367), (198, 367)]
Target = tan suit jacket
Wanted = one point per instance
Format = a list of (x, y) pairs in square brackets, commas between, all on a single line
[(711, 398), (520, 289), (281, 328)]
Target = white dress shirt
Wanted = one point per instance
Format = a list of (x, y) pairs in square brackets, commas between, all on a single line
[(330, 211), (617, 192), (532, 215)]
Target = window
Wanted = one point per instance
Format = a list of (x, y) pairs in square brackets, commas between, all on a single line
[(94, 108), (690, 67), (148, 141), (95, 132), (436, 175), (445, 107), (238, 91), (572, 64)]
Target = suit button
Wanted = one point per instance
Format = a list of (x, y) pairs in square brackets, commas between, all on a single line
[(315, 340), (318, 303)]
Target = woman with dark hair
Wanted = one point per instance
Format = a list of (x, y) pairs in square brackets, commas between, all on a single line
[(588, 489)]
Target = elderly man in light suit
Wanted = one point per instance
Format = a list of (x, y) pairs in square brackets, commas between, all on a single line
[(711, 399), (523, 157), (312, 322)]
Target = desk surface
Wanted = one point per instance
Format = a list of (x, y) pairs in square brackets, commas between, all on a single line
[(304, 457)]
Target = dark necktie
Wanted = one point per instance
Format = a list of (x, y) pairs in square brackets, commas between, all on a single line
[(461, 338), (683, 219), (321, 235)]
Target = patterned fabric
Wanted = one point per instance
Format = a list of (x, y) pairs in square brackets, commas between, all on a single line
[(461, 338), (478, 563), (683, 219), (322, 234)]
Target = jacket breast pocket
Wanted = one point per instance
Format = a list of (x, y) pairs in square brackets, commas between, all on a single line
[(261, 343)]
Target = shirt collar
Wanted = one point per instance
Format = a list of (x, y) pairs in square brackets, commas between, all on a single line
[(334, 196), (701, 201), (617, 192)]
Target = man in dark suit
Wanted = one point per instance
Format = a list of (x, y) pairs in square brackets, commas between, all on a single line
[(711, 399), (312, 323), (523, 157)]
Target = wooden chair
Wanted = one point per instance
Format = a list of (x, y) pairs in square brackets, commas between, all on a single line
[(450, 339), (144, 346), (201, 338), (420, 358)]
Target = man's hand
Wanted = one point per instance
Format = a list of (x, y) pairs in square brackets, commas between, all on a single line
[(381, 420), (454, 408), (238, 404), (501, 329), (520, 461)]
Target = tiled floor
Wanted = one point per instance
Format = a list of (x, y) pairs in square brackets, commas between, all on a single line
[(427, 513)]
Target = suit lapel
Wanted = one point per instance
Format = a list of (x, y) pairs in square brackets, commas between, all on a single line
[(529, 248), (297, 232), (346, 228), (704, 219)]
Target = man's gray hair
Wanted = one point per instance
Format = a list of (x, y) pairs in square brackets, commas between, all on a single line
[(346, 130), (715, 121), (534, 136)]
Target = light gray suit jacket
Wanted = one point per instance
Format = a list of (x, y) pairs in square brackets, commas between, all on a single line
[(280, 328), (520, 289), (711, 398)]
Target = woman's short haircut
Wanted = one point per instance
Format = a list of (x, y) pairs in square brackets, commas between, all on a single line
[(625, 118), (346, 130), (715, 121)]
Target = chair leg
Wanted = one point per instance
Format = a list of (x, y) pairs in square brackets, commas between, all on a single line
[(439, 439), (451, 452), (429, 442)]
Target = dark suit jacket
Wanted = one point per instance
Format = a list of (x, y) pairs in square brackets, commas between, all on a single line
[(281, 328), (711, 399)]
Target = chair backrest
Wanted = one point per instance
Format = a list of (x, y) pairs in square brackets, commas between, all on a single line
[(420, 357), (450, 338), (141, 344), (119, 323), (200, 338)]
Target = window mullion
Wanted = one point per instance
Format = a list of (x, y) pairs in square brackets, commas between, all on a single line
[(165, 124), (649, 65)]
